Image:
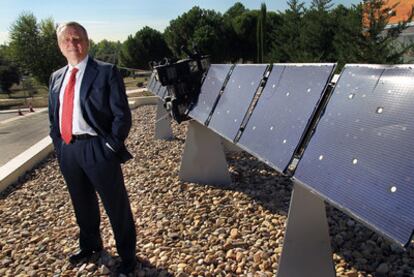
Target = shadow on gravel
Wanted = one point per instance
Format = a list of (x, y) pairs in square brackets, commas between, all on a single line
[(355, 247), (107, 265)]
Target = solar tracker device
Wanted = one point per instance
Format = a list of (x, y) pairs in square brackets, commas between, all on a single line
[(283, 111), (209, 93), (361, 156), (236, 99)]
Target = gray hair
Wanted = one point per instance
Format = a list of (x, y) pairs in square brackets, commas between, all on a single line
[(71, 24)]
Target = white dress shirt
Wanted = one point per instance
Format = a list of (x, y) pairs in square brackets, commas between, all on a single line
[(79, 125)]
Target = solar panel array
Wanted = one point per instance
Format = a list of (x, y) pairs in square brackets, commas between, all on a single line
[(360, 156)]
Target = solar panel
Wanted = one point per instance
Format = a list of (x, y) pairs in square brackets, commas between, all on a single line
[(361, 155), (209, 91), (162, 91), (283, 111), (156, 87), (151, 82), (235, 101)]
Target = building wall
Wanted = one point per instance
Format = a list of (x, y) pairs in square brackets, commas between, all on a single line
[(402, 11)]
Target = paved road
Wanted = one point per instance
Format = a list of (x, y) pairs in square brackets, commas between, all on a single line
[(22, 132), (18, 135)]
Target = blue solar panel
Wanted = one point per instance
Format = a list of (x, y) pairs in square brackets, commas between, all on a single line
[(156, 87), (235, 101), (154, 84), (361, 157), (151, 82), (283, 111), (209, 91), (162, 91)]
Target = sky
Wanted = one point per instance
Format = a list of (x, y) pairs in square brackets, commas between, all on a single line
[(116, 19)]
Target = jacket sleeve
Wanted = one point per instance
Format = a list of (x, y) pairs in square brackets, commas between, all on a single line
[(53, 129), (120, 109)]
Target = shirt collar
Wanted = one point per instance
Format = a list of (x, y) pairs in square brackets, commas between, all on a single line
[(80, 66)]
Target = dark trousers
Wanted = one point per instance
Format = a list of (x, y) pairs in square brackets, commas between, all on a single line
[(89, 166)]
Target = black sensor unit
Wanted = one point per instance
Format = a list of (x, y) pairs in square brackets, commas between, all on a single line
[(183, 79)]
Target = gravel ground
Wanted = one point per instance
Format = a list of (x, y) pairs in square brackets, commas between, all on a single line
[(184, 229)]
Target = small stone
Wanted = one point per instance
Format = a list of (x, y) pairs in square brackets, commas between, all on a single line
[(257, 258), (234, 233), (239, 256), (104, 270), (382, 268), (90, 267), (351, 274)]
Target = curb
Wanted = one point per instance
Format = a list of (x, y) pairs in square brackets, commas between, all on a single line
[(19, 165), (17, 117), (24, 162), (135, 102)]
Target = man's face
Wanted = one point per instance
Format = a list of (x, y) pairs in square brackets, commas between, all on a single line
[(73, 44)]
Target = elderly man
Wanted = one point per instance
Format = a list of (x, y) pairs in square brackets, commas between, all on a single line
[(89, 121)]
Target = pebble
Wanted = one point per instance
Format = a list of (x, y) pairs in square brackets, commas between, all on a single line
[(183, 229)]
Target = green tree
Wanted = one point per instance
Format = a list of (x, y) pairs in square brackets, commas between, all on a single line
[(145, 46), (9, 75), (201, 28), (34, 46), (318, 32), (378, 41), (236, 40), (245, 27), (51, 58), (107, 51), (260, 34), (287, 40), (349, 29)]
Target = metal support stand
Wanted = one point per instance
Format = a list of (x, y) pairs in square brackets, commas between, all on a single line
[(231, 147), (203, 160), (163, 128), (307, 245)]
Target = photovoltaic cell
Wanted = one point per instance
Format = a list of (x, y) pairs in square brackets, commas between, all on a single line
[(284, 110), (361, 157), (235, 101), (209, 91)]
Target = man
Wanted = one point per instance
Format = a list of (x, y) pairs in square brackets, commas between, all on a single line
[(89, 121)]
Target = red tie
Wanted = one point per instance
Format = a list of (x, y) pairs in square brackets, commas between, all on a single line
[(67, 108)]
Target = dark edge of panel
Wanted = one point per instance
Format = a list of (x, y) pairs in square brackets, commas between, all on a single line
[(253, 102), (350, 213), (223, 87), (257, 156), (203, 79), (312, 123), (247, 116)]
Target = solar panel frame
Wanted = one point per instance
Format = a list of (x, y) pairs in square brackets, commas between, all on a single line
[(209, 92), (272, 118), (234, 104), (372, 182)]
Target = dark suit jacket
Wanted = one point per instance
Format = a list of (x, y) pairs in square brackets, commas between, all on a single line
[(103, 103)]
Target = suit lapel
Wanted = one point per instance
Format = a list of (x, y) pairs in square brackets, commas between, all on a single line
[(88, 78), (57, 87)]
